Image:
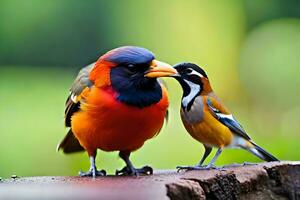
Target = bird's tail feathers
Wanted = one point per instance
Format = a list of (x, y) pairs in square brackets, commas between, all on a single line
[(70, 144), (260, 152)]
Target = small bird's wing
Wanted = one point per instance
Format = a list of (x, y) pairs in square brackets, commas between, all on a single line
[(82, 82), (221, 114)]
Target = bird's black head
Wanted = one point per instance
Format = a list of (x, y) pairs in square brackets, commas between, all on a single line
[(192, 79), (129, 75), (190, 72)]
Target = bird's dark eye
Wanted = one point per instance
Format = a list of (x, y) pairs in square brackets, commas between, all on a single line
[(188, 71), (131, 67)]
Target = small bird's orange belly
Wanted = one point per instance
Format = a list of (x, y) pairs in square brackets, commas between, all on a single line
[(112, 125), (210, 132)]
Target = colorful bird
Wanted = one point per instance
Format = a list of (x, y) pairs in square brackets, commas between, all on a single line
[(206, 118), (116, 104)]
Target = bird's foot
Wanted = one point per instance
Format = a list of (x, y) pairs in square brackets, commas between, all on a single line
[(233, 165), (127, 171), (249, 163), (239, 165), (197, 167), (93, 172)]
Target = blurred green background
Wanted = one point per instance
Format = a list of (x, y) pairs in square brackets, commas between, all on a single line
[(249, 48)]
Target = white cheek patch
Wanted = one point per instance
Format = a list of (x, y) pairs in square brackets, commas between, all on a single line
[(195, 73), (195, 89)]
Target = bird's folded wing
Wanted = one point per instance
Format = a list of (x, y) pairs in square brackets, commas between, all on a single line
[(221, 114), (78, 90), (80, 86)]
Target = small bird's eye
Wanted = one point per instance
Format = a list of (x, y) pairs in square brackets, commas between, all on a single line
[(188, 70)]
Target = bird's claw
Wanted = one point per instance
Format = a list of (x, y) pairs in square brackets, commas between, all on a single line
[(126, 171), (239, 165), (188, 168), (249, 163), (204, 167), (92, 173)]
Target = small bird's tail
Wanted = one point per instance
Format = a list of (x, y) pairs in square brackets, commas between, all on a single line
[(261, 153)]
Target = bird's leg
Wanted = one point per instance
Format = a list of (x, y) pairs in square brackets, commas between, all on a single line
[(199, 166), (206, 153), (211, 164), (93, 172), (129, 169)]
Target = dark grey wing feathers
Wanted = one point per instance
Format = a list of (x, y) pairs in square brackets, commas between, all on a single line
[(228, 120), (70, 144), (82, 81)]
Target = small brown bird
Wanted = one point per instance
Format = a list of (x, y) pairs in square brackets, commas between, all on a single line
[(206, 118)]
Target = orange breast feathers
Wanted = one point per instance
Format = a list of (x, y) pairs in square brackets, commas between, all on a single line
[(210, 131), (110, 125)]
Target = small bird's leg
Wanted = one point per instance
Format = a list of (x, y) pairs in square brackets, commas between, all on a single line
[(200, 167), (212, 162), (206, 153), (93, 169), (129, 169)]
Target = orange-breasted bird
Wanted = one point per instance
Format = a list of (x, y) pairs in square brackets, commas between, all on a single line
[(116, 104), (208, 120)]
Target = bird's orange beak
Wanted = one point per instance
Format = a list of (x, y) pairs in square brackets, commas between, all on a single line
[(160, 69)]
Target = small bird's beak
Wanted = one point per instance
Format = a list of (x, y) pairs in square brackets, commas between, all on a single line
[(160, 69)]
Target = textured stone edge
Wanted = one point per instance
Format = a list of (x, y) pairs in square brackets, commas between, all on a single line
[(264, 181)]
